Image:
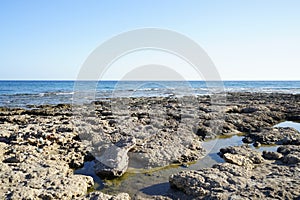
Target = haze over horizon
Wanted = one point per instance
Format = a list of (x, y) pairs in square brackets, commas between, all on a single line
[(50, 40)]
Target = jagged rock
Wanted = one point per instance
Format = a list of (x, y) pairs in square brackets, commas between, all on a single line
[(43, 143), (166, 148), (280, 136), (114, 161), (292, 158), (238, 160), (42, 180), (291, 154), (268, 180), (243, 154), (203, 182)]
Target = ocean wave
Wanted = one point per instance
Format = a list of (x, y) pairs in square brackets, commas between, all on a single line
[(34, 93), (64, 93), (265, 90)]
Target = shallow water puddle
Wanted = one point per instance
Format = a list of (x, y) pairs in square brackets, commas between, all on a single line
[(295, 125), (291, 124), (155, 181)]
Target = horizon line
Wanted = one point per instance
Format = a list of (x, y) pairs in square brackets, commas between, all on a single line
[(143, 80)]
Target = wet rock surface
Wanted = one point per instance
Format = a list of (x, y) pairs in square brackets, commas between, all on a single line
[(236, 180), (41, 146)]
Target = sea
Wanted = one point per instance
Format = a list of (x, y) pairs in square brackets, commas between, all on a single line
[(25, 94)]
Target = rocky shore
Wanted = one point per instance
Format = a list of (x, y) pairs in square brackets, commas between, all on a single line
[(40, 146), (247, 174)]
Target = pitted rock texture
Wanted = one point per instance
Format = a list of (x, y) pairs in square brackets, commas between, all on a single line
[(263, 180), (42, 144)]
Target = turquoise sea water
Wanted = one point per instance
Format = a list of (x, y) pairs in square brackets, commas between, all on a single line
[(24, 93)]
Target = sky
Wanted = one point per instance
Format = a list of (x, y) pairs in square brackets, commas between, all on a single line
[(246, 40)]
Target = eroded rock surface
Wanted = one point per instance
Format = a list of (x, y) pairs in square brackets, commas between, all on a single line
[(242, 156), (236, 180), (163, 130), (280, 136), (291, 154), (40, 146), (114, 161), (36, 178)]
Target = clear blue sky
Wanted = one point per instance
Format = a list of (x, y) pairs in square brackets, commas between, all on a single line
[(247, 40)]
